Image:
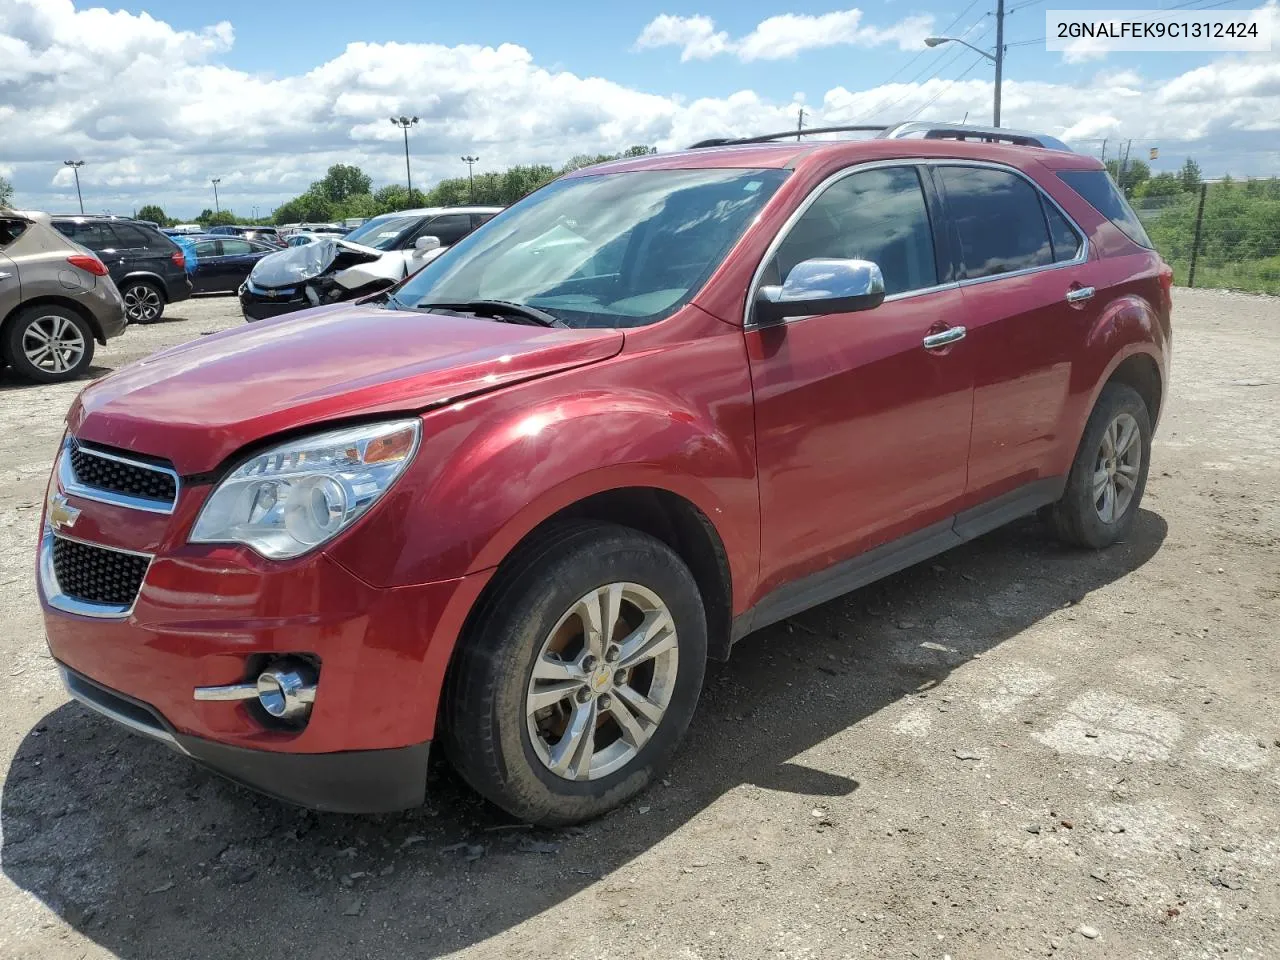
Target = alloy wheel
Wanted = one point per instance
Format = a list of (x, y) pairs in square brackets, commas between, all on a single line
[(142, 303), (1116, 468), (602, 681), (53, 343)]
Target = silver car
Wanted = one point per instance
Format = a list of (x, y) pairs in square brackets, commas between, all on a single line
[(56, 300)]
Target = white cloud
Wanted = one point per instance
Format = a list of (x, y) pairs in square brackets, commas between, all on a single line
[(696, 36), (779, 37), (170, 115)]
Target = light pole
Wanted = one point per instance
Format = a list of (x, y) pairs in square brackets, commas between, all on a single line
[(997, 58), (404, 123), (75, 166), (471, 180), (215, 181)]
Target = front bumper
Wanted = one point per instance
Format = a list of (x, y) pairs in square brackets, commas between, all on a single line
[(260, 306), (355, 781)]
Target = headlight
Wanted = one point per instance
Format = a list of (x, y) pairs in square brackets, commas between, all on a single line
[(294, 497)]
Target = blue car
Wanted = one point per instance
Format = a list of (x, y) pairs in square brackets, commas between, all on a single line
[(222, 263)]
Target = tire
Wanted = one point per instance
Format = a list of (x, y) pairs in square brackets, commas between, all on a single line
[(504, 751), (34, 328), (1082, 519), (143, 301)]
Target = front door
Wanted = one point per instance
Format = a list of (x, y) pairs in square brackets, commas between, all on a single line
[(862, 429)]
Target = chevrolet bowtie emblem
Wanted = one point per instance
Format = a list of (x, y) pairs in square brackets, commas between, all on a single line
[(60, 513)]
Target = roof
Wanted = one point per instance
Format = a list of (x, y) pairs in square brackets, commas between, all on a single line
[(790, 155), (432, 211)]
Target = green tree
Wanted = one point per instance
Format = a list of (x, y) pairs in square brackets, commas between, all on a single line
[(6, 192), (313, 206), (1189, 175), (341, 181), (222, 218), (149, 211), (1161, 185)]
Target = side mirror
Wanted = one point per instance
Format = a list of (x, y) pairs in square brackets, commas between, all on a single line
[(423, 244), (820, 287)]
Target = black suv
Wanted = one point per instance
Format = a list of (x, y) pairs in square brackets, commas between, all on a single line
[(148, 267)]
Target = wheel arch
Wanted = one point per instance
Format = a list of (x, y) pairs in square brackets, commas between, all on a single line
[(148, 277)]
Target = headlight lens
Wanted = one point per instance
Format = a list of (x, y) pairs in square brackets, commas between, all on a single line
[(294, 497)]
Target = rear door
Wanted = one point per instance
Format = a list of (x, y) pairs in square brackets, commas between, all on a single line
[(1028, 303)]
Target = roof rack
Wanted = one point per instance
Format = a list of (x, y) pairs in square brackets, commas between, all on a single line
[(917, 129)]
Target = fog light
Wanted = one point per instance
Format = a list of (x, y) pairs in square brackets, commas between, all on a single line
[(287, 690)]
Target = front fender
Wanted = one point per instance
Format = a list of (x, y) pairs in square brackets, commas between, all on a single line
[(491, 469)]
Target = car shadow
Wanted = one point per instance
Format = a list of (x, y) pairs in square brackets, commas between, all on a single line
[(12, 381), (148, 855)]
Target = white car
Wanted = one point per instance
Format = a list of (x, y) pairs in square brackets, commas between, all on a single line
[(377, 255)]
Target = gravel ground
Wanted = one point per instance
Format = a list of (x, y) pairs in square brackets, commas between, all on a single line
[(1015, 750)]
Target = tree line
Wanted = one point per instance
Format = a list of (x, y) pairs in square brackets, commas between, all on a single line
[(347, 191)]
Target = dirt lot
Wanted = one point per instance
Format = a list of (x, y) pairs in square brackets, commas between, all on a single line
[(1016, 750)]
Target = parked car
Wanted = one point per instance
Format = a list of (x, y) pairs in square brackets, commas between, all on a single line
[(223, 262), (56, 300), (250, 232), (654, 406), (147, 266), (182, 229), (370, 258), (301, 238)]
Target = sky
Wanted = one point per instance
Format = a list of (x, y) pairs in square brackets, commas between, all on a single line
[(159, 97)]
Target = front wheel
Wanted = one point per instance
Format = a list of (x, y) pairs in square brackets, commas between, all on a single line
[(580, 675), (1104, 488)]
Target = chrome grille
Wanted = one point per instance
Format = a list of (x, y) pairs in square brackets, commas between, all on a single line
[(107, 477), (97, 575)]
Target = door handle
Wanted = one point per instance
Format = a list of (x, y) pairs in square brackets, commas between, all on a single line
[(953, 335), (1080, 295)]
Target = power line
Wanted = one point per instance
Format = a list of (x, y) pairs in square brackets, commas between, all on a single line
[(946, 62), (949, 84), (1022, 6)]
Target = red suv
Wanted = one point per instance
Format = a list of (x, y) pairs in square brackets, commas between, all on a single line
[(658, 404)]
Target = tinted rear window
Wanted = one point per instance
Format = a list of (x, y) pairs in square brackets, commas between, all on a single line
[(999, 219), (1097, 187), (10, 230)]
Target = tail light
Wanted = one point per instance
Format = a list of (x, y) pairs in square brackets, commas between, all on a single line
[(179, 259), (88, 264)]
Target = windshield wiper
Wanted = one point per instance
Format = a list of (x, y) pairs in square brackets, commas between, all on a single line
[(506, 310)]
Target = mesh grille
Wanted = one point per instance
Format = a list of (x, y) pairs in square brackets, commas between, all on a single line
[(97, 575), (134, 480)]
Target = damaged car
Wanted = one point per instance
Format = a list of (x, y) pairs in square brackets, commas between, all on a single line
[(370, 259)]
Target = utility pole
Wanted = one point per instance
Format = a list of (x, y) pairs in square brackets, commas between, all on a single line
[(799, 124), (999, 57), (1104, 151), (1124, 165), (215, 181), (471, 180), (404, 123), (75, 166)]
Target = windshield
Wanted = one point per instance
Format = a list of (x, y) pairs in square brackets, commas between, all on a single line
[(613, 250), (383, 233)]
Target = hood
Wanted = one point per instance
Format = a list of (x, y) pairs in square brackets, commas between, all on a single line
[(293, 265), (198, 403)]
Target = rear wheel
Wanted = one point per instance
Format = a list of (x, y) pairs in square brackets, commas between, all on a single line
[(48, 344), (143, 301), (1104, 489), (579, 676)]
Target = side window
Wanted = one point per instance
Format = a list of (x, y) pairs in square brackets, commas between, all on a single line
[(450, 228), (128, 235), (999, 219), (206, 248), (91, 233), (235, 247), (878, 215), (1066, 242), (478, 218)]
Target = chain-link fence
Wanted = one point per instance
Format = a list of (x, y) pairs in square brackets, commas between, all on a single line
[(1223, 233)]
